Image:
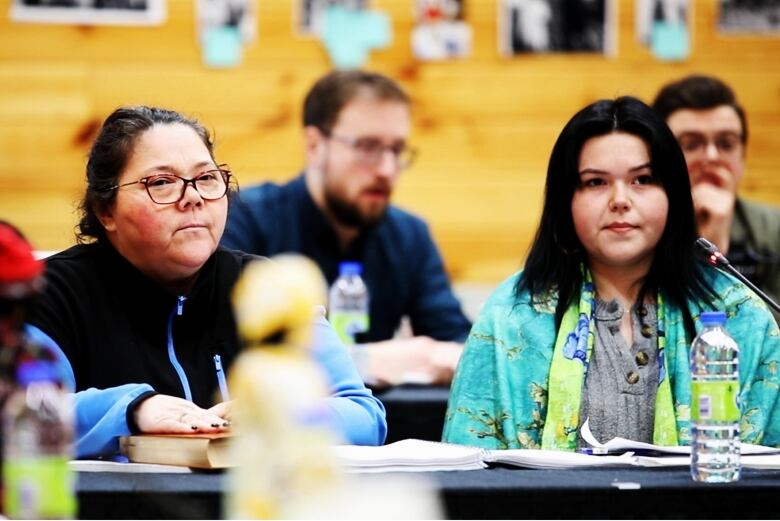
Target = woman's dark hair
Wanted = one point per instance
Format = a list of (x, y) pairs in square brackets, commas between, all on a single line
[(109, 155), (556, 254)]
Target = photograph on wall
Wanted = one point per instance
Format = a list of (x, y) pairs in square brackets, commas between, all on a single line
[(224, 28), (89, 12), (440, 30), (545, 26), (310, 13), (664, 27), (749, 16)]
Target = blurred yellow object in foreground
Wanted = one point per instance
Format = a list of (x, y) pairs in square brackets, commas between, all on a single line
[(281, 415), (275, 300), (286, 468)]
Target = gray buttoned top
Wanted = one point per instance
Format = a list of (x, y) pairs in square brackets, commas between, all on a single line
[(618, 397)]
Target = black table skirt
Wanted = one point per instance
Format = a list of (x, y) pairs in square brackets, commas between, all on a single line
[(414, 411), (497, 493)]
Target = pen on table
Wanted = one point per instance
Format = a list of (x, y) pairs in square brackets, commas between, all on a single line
[(593, 451), (223, 388)]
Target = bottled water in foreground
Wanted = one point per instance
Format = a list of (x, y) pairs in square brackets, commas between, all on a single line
[(714, 402)]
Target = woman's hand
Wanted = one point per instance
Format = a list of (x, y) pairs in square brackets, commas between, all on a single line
[(163, 414), (223, 410)]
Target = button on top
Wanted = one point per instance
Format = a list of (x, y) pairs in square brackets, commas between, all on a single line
[(641, 358), (632, 377), (647, 331)]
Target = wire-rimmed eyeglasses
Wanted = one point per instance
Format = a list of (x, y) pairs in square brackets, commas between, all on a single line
[(369, 150), (170, 188), (696, 142)]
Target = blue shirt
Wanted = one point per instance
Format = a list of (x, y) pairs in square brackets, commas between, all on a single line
[(401, 266)]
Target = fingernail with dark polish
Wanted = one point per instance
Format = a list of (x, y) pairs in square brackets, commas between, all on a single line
[(226, 424), (215, 425), (193, 427)]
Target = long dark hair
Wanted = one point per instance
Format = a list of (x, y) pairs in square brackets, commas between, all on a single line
[(556, 254), (109, 155)]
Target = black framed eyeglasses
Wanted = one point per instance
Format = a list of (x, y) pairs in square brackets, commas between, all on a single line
[(170, 188), (369, 150)]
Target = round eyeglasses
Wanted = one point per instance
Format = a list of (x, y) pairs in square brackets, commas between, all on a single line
[(369, 150), (170, 188), (697, 143)]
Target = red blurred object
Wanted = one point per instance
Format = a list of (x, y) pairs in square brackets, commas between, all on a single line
[(432, 12), (20, 271)]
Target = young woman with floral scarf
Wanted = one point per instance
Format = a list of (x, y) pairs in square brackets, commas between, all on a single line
[(598, 324)]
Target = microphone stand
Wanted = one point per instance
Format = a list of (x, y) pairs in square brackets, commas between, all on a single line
[(717, 259)]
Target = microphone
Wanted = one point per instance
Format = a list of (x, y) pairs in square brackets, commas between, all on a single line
[(717, 259)]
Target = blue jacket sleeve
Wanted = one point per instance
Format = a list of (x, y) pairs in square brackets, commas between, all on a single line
[(435, 311), (358, 414), (100, 414)]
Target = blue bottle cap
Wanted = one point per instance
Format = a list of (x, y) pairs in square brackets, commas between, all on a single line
[(35, 371), (350, 268), (713, 318)]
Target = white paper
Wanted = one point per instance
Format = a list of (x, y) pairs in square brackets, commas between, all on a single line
[(89, 465), (616, 445), (556, 459), (410, 455), (417, 455)]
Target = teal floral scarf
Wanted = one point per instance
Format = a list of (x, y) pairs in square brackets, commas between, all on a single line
[(571, 354), (519, 380)]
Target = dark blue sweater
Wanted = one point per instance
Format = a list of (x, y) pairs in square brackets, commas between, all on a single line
[(401, 266)]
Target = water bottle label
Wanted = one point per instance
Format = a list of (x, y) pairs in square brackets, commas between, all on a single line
[(715, 401), (39, 487), (347, 325)]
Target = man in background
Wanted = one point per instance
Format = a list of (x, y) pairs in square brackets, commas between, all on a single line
[(356, 126), (712, 130)]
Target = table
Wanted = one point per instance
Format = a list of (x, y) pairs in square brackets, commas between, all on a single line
[(497, 493), (414, 411)]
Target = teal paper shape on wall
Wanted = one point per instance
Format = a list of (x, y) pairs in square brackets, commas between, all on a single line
[(222, 46), (349, 35), (669, 41)]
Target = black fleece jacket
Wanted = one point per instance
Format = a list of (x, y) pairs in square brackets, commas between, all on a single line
[(113, 322)]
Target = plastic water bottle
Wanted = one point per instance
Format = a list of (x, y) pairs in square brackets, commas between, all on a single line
[(35, 428), (38, 436), (715, 410), (348, 303)]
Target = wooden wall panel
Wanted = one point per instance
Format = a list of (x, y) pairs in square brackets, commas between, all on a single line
[(484, 125)]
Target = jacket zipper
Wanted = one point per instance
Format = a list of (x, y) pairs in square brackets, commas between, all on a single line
[(177, 311)]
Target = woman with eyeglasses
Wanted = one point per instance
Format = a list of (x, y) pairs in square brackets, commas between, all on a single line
[(141, 306)]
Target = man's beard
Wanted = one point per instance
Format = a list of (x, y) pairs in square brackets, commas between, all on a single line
[(349, 213)]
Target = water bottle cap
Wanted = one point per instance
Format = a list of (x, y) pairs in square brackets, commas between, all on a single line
[(35, 371), (709, 318), (350, 268)]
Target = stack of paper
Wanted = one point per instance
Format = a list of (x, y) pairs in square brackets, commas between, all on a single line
[(418, 455), (555, 459), (410, 456)]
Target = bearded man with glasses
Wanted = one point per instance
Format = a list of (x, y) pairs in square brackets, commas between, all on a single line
[(712, 130), (356, 126)]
